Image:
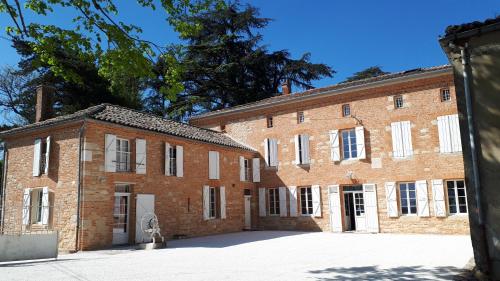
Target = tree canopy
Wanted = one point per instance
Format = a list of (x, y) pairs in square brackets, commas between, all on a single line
[(369, 72)]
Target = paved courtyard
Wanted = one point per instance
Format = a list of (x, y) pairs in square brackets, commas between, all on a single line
[(265, 255)]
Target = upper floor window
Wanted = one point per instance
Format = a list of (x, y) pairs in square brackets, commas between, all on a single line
[(398, 101), (173, 160), (122, 155), (449, 134), (408, 198), (271, 152), (248, 169), (270, 121), (346, 110), (274, 201), (445, 94), (302, 149), (41, 156), (349, 146), (457, 200), (300, 117), (222, 127)]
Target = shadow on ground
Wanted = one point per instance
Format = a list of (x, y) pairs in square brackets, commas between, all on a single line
[(403, 273), (231, 239)]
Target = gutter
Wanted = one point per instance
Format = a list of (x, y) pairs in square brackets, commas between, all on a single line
[(4, 186), (322, 94), (81, 133)]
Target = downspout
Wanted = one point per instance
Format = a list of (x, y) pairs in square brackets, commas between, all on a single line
[(470, 123), (79, 184), (4, 186)]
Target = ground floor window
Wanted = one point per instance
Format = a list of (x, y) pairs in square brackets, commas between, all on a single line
[(274, 202), (212, 211), (457, 201), (306, 205), (408, 198)]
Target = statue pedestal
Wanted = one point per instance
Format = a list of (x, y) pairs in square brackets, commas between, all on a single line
[(151, 246)]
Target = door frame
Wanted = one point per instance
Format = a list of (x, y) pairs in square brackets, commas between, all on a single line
[(249, 197), (353, 192), (126, 235)]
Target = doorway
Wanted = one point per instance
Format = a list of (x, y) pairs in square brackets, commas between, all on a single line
[(248, 213), (354, 208), (144, 209), (121, 212)]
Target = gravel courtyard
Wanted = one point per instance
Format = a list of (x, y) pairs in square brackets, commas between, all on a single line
[(264, 255)]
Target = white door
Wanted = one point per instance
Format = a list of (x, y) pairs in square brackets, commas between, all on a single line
[(145, 206), (359, 210), (248, 213), (121, 218)]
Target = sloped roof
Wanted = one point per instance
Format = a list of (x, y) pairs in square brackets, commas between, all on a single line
[(136, 119), (299, 95), (455, 29)]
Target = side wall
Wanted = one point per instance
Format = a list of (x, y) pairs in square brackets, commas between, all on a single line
[(374, 109), (178, 201)]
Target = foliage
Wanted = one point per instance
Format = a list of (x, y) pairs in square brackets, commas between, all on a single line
[(369, 72)]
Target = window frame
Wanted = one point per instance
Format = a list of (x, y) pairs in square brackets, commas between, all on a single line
[(445, 92), (120, 153), (172, 160), (408, 199), (350, 144), (122, 190), (300, 117), (456, 198), (269, 120), (212, 205), (346, 110), (248, 169), (43, 155), (396, 104), (308, 201), (274, 201)]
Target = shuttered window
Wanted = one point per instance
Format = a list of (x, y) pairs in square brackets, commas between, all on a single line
[(274, 202), (172, 160), (212, 211), (302, 150), (306, 201), (122, 155), (457, 200), (349, 146), (408, 198), (37, 206), (271, 152), (449, 134), (401, 139)]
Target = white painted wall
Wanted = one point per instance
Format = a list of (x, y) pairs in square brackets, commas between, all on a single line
[(28, 247)]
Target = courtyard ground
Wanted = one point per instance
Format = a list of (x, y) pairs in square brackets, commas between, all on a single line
[(264, 255)]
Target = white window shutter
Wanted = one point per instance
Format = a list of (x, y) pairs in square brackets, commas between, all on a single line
[(242, 168), (222, 191), (406, 135), (179, 161), (297, 150), (36, 157), (45, 206), (213, 165), (266, 152), (335, 208), (292, 191), (335, 147), (305, 149), (262, 202), (273, 147), (439, 199), (26, 206), (371, 209), (316, 200), (397, 141), (110, 153), (391, 196), (360, 142), (206, 202), (282, 196), (455, 133), (167, 159), (47, 155), (422, 198), (140, 156), (444, 136), (256, 170)]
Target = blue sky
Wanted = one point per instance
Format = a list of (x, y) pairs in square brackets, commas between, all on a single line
[(347, 35)]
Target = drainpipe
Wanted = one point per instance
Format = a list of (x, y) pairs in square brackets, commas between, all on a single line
[(4, 186), (79, 185), (470, 123)]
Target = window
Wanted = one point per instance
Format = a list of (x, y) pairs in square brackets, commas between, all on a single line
[(274, 201), (223, 127), (248, 169), (445, 95), (212, 211), (302, 149), (306, 205), (457, 201), (173, 161), (122, 155), (359, 203), (449, 134), (398, 101), (37, 206), (271, 152), (300, 117), (269, 121), (349, 145), (121, 208), (346, 110), (43, 156), (401, 139), (408, 198)]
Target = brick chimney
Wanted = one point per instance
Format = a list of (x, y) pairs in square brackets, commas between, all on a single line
[(44, 95), (286, 87)]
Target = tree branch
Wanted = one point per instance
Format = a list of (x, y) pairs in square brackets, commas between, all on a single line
[(12, 15)]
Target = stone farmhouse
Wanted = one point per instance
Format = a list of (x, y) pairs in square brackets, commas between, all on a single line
[(376, 155)]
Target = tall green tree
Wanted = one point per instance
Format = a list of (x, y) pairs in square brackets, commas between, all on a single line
[(224, 63), (369, 72)]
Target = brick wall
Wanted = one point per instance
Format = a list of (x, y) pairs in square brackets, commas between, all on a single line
[(374, 108)]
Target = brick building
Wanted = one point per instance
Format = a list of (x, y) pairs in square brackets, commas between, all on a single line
[(375, 155)]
